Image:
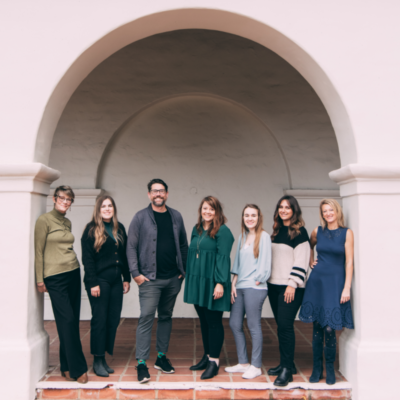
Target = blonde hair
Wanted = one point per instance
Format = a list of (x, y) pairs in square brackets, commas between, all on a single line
[(338, 210), (259, 229)]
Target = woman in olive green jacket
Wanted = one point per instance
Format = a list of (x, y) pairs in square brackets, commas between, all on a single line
[(59, 274), (208, 280)]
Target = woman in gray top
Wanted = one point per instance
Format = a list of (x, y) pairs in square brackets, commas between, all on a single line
[(251, 270)]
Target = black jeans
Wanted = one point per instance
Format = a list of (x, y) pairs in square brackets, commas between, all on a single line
[(285, 314), (65, 295), (212, 330), (106, 311)]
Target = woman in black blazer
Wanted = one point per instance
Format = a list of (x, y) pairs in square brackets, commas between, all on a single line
[(104, 259)]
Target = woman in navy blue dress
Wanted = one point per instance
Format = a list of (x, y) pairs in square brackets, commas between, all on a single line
[(326, 301)]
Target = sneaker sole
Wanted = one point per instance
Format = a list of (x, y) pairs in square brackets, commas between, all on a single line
[(144, 380), (165, 372)]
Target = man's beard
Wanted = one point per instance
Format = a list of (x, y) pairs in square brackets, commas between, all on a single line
[(158, 205)]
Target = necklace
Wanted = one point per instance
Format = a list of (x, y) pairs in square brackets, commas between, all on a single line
[(198, 244)]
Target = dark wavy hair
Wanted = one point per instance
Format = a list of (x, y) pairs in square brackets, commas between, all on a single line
[(219, 218), (296, 222)]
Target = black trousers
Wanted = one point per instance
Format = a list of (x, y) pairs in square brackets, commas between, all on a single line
[(285, 315), (65, 295), (212, 330), (106, 311)]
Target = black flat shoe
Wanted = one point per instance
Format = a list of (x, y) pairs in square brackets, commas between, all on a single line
[(211, 370), (284, 377), (98, 367), (106, 366), (277, 370), (201, 365)]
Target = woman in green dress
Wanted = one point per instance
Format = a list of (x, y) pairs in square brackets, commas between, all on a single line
[(208, 281)]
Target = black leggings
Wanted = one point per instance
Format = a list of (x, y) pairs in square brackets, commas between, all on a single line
[(319, 332), (212, 330), (285, 314)]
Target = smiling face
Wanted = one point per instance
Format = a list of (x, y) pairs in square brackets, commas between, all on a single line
[(329, 214), (107, 210), (207, 213), (62, 202), (250, 218), (285, 212), (158, 195)]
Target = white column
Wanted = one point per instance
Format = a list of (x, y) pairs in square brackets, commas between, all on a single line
[(369, 354), (80, 214), (23, 340)]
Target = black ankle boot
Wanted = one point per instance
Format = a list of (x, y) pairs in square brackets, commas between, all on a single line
[(201, 365), (330, 356), (98, 367), (211, 370), (106, 367), (318, 366), (277, 370), (284, 377)]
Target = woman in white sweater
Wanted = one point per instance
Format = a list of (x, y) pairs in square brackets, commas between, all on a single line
[(251, 270)]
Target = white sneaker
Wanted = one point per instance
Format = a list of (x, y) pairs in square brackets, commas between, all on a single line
[(252, 372), (237, 368)]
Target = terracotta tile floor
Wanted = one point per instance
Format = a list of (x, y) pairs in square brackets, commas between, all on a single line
[(185, 350)]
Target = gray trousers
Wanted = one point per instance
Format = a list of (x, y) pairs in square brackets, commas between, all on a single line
[(158, 295), (250, 302)]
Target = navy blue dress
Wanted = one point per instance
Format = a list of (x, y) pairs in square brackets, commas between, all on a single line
[(324, 288)]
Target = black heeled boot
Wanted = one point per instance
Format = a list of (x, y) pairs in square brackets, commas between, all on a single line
[(284, 377), (330, 356), (201, 365), (318, 366), (98, 367), (211, 370), (277, 370), (106, 366)]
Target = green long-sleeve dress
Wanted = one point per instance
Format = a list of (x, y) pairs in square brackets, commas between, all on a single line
[(209, 263)]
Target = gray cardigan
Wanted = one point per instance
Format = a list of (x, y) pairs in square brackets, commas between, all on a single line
[(142, 243)]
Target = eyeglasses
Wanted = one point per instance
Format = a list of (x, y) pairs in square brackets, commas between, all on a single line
[(65, 199), (161, 191)]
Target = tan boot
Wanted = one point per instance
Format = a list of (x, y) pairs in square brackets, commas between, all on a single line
[(66, 375), (83, 378)]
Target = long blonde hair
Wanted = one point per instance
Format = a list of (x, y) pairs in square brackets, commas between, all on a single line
[(259, 229), (338, 210), (97, 229)]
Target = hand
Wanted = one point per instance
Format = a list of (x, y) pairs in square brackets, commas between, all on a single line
[(289, 294), (233, 294), (218, 291), (257, 283), (180, 276), (312, 265), (41, 287), (140, 279), (95, 291), (345, 296), (126, 286)]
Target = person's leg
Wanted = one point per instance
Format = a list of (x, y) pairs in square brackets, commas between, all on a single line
[(65, 295), (253, 303), (236, 325), (330, 354), (317, 345), (201, 312), (215, 333), (273, 295), (149, 296), (165, 309)]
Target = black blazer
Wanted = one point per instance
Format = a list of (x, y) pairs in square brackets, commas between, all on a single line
[(109, 255)]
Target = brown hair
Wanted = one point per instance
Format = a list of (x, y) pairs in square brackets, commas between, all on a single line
[(219, 218), (338, 210), (97, 229), (65, 189), (296, 222), (259, 228)]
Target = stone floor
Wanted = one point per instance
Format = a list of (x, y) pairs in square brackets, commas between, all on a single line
[(185, 350)]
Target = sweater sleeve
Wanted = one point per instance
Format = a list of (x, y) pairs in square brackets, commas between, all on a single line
[(132, 246), (263, 271), (236, 263), (222, 269), (125, 267), (299, 270), (88, 258), (41, 232), (183, 243)]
